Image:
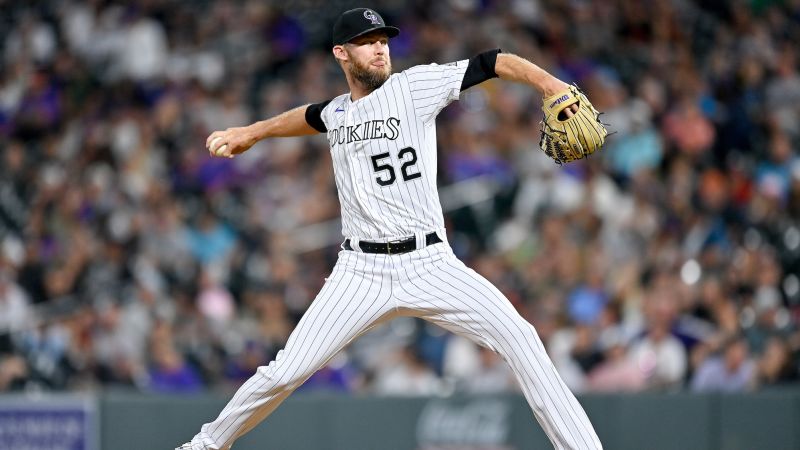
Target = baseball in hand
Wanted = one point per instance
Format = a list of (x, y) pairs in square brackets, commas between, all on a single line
[(220, 151)]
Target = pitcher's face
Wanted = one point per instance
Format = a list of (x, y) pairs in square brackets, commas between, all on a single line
[(368, 60)]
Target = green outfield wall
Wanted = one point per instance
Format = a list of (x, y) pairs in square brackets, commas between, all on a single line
[(768, 420)]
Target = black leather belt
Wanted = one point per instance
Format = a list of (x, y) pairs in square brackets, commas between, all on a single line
[(394, 247)]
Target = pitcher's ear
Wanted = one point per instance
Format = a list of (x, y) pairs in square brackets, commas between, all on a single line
[(339, 53)]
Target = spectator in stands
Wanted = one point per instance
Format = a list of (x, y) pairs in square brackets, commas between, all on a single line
[(408, 376), (169, 371), (619, 371), (13, 373), (658, 353), (776, 367), (732, 371)]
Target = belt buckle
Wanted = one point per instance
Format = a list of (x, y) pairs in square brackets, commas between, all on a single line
[(389, 245)]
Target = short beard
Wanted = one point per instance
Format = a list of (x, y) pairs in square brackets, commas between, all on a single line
[(370, 79)]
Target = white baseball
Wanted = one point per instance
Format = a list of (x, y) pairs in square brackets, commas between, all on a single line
[(221, 150)]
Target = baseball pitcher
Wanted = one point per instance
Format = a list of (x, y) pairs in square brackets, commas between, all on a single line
[(395, 259)]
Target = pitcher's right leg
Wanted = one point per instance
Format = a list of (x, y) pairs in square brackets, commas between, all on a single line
[(355, 298)]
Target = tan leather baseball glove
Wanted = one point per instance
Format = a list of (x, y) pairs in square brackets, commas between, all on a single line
[(566, 139)]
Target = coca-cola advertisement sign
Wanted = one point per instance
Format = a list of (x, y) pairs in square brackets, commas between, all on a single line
[(475, 425)]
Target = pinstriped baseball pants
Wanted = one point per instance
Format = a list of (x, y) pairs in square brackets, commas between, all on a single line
[(365, 290)]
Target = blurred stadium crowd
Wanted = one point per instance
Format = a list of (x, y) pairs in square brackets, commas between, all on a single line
[(130, 259)]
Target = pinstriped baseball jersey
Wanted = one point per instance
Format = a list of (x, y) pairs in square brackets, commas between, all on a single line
[(383, 148)]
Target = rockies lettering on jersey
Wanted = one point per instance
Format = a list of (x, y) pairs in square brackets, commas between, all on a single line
[(383, 148), (371, 129)]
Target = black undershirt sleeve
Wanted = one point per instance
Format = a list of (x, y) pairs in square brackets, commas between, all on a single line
[(314, 116), (480, 69)]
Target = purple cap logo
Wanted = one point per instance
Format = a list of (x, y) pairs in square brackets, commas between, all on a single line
[(372, 17)]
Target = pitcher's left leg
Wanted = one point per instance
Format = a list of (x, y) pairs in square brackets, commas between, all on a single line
[(460, 300)]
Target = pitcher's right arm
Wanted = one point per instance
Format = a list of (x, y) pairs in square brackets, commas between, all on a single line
[(301, 121)]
